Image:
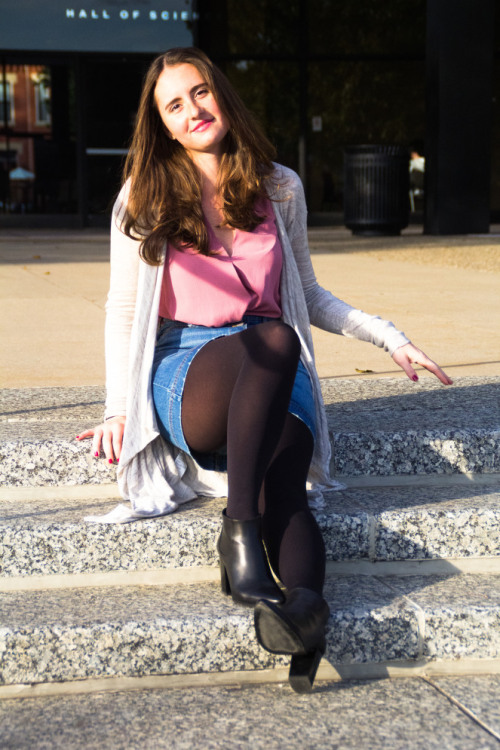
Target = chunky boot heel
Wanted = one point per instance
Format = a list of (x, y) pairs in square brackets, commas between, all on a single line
[(224, 580), (296, 627), (303, 670), (245, 571)]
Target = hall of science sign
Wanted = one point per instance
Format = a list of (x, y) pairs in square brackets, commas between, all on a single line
[(124, 26), (133, 15)]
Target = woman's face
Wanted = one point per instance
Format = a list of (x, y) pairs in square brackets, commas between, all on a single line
[(189, 110)]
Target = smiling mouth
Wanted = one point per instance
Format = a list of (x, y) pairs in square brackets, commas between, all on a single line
[(202, 125)]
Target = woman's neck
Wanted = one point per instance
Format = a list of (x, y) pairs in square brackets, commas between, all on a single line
[(209, 171), (208, 165), (211, 200)]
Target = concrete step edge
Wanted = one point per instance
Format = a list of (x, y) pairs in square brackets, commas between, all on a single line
[(202, 574), (465, 479), (109, 490), (105, 491), (326, 672)]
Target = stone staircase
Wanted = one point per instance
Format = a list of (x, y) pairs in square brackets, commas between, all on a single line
[(413, 547)]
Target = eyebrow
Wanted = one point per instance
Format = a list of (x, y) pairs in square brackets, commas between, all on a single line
[(178, 98)]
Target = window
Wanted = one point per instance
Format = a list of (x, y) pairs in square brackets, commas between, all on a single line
[(42, 101), (41, 80), (6, 103)]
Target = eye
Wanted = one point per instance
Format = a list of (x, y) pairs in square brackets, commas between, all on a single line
[(175, 107), (203, 91)]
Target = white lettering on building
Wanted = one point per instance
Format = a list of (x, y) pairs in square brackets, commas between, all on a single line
[(70, 13), (125, 15)]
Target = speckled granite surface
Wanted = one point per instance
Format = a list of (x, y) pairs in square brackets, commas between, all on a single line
[(423, 523), (37, 436), (391, 426), (380, 427), (35, 454), (403, 714), (43, 537), (395, 404), (136, 631), (352, 404), (73, 634), (82, 404), (462, 613), (377, 427), (415, 452)]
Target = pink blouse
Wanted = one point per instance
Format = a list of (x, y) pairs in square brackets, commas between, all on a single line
[(213, 290)]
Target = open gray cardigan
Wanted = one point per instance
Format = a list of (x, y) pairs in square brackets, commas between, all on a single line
[(154, 475)]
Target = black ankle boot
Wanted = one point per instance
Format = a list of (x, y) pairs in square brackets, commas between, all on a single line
[(245, 572), (296, 627)]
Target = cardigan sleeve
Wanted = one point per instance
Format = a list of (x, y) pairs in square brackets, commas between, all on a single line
[(120, 308), (325, 310)]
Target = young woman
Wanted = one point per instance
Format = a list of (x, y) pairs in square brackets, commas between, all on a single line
[(208, 347)]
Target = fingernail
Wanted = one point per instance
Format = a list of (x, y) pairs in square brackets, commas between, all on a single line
[(96, 454), (414, 378), (110, 461), (77, 437)]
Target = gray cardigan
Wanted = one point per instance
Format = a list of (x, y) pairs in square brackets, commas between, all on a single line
[(154, 475)]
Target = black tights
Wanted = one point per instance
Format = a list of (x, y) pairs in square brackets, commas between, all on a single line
[(237, 392)]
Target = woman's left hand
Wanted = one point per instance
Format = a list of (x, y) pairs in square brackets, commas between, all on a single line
[(408, 355)]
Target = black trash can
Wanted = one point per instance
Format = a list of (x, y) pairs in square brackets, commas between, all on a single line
[(376, 189)]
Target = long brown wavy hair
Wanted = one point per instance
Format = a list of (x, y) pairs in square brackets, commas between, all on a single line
[(164, 202)]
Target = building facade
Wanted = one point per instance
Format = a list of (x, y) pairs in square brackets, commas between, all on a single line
[(320, 75)]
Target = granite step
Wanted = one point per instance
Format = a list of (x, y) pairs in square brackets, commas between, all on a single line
[(395, 427), (80, 634), (44, 536), (378, 428), (55, 629)]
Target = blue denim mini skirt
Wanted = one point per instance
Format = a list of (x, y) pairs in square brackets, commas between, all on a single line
[(176, 346)]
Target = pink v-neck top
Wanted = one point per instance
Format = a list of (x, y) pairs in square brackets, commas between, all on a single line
[(214, 290)]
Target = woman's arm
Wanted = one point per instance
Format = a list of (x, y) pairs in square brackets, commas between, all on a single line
[(333, 314), (120, 308)]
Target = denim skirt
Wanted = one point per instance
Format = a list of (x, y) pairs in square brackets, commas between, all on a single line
[(176, 346)]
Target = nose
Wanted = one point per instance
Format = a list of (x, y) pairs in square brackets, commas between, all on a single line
[(194, 109)]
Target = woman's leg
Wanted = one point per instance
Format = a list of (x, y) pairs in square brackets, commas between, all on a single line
[(296, 550), (237, 392), (292, 537)]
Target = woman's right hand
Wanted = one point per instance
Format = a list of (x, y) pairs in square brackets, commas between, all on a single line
[(106, 437)]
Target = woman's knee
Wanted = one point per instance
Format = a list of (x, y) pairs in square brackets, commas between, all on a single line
[(279, 340)]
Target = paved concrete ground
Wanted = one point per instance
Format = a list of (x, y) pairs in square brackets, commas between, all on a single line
[(452, 713), (443, 292)]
